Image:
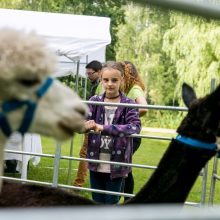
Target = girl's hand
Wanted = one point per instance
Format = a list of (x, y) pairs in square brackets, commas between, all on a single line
[(98, 128), (91, 125)]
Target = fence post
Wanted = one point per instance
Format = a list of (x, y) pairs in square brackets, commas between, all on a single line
[(56, 164), (214, 170)]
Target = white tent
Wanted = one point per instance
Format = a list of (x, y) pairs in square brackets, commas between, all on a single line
[(66, 65), (71, 36)]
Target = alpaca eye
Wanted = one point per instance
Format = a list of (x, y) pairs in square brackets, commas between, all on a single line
[(29, 82)]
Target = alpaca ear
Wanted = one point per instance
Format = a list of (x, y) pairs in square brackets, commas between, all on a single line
[(188, 94)]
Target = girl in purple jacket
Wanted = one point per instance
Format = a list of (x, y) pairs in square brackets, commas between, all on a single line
[(111, 141)]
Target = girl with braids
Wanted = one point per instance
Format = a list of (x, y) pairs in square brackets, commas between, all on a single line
[(134, 88), (111, 141)]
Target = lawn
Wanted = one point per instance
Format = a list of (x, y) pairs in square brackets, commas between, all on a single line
[(149, 153)]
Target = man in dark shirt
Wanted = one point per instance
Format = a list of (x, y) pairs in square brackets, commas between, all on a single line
[(93, 70)]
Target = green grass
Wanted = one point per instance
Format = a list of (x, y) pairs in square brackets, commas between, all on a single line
[(149, 153)]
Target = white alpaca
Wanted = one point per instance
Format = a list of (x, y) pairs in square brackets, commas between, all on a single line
[(25, 65)]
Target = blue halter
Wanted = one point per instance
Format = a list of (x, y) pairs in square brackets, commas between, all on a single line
[(196, 143), (12, 105)]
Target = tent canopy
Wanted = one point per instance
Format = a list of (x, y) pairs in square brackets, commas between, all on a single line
[(72, 36)]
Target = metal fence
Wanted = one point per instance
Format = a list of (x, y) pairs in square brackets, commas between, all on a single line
[(57, 157), (214, 177)]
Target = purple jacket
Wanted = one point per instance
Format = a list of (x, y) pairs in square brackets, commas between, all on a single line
[(126, 122)]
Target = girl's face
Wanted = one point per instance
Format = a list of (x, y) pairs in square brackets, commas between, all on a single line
[(111, 80)]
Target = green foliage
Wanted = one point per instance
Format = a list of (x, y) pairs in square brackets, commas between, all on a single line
[(162, 119), (140, 41), (170, 48), (80, 88), (191, 44), (9, 3)]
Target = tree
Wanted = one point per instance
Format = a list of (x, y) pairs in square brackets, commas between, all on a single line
[(140, 41), (9, 3), (192, 43)]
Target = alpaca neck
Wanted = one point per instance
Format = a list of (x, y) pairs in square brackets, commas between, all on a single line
[(195, 130), (175, 175)]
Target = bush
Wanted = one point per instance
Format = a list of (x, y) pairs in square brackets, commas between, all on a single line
[(162, 119)]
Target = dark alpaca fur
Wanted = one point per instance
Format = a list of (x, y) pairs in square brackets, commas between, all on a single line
[(26, 195), (172, 180), (175, 175)]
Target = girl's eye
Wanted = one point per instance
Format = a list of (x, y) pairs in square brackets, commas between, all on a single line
[(111, 80), (28, 82)]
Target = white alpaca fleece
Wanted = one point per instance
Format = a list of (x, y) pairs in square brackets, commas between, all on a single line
[(23, 57), (22, 52)]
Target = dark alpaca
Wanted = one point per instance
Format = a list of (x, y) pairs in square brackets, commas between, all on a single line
[(172, 180), (182, 162)]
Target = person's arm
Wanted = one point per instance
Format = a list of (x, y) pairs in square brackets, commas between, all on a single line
[(137, 94), (142, 101), (90, 123)]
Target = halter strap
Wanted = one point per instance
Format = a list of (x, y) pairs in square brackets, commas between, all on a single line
[(12, 105), (43, 89), (196, 143), (6, 129)]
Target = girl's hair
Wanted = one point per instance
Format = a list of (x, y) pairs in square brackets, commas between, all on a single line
[(114, 65), (131, 77)]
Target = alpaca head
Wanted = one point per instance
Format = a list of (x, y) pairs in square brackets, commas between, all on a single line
[(203, 113), (25, 64)]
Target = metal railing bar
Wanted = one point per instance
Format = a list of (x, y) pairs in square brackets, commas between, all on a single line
[(216, 176), (156, 107), (84, 159), (66, 186)]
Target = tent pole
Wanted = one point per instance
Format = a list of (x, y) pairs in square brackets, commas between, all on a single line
[(71, 143), (86, 79)]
